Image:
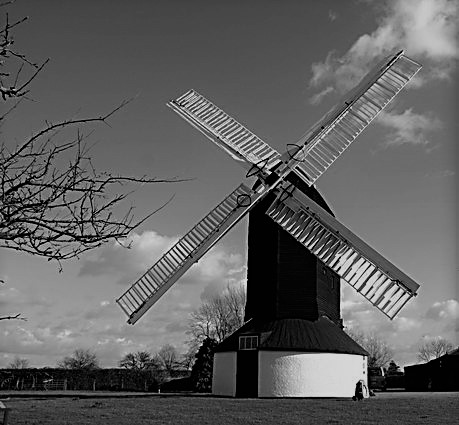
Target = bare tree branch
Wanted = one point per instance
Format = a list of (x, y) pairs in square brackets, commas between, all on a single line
[(11, 87), (433, 349), (218, 317), (16, 317), (379, 352), (46, 209), (59, 213)]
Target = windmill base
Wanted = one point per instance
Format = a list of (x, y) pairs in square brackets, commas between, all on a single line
[(290, 374), (288, 358)]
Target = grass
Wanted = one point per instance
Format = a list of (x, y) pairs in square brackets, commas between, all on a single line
[(388, 408)]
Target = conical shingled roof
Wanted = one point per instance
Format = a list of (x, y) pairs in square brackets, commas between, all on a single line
[(301, 335)]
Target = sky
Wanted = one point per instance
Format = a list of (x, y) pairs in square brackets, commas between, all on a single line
[(277, 67)]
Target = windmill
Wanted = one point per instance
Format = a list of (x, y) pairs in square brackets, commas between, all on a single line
[(292, 343)]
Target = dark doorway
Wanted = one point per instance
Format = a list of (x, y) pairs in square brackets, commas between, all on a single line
[(247, 373)]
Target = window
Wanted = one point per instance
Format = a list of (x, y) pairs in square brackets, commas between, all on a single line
[(248, 342)]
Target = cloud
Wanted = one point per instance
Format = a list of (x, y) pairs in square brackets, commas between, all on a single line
[(226, 270), (317, 98), (213, 271), (408, 127), (104, 333), (332, 15), (9, 297), (425, 29), (443, 310), (145, 249), (440, 174), (428, 27), (14, 301), (406, 324)]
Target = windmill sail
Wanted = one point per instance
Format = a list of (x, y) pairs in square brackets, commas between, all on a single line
[(189, 249), (378, 280), (324, 142), (328, 139), (224, 130)]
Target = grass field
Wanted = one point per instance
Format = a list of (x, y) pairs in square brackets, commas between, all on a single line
[(385, 408)]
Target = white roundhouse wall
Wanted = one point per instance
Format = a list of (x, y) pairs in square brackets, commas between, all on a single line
[(294, 374)]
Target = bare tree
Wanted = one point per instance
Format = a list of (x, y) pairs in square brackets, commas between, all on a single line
[(379, 352), (188, 359), (60, 213), (46, 209), (19, 363), (137, 361), (168, 359), (434, 348), (219, 317), (14, 80), (80, 359)]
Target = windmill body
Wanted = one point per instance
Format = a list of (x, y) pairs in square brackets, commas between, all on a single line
[(292, 319), (292, 343), (285, 280)]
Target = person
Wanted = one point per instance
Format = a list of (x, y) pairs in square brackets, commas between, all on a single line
[(361, 391)]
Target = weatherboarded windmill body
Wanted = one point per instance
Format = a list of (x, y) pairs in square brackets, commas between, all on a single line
[(292, 343)]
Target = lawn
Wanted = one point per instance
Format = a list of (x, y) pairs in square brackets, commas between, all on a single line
[(385, 408)]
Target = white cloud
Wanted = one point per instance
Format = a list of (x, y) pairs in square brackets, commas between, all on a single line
[(406, 324), (213, 271), (440, 174), (145, 249), (101, 325), (444, 310), (332, 15), (428, 27), (408, 127), (425, 29), (317, 98)]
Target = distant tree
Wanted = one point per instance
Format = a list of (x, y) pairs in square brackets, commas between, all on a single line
[(140, 360), (188, 358), (219, 317), (379, 352), (81, 359), (19, 363), (433, 349), (168, 359), (201, 373), (393, 368)]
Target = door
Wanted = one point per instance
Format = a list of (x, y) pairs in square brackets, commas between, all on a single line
[(247, 373)]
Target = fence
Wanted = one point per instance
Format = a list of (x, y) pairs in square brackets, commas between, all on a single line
[(55, 384), (81, 380)]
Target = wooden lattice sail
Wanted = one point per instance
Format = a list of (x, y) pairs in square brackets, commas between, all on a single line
[(368, 272)]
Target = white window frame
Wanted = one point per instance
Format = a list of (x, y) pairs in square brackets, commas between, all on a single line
[(248, 342)]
